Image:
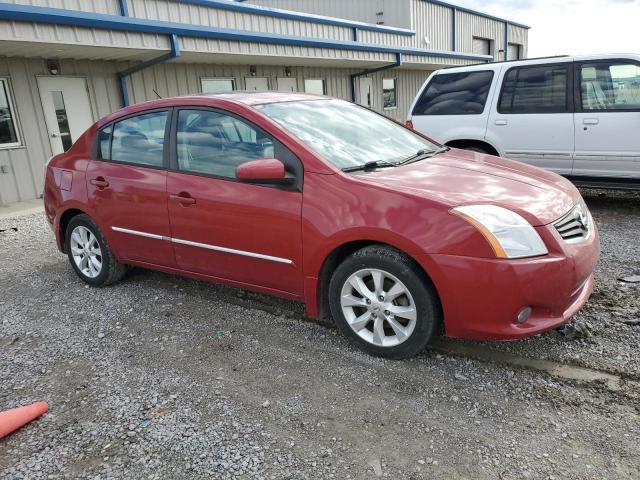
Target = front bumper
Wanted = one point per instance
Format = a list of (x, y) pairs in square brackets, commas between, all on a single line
[(481, 297)]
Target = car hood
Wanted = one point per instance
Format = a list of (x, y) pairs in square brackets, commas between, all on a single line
[(460, 177)]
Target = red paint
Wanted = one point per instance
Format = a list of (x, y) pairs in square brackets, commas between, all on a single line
[(263, 169), (405, 207)]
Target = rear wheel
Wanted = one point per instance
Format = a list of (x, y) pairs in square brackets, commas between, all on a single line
[(383, 303), (89, 253)]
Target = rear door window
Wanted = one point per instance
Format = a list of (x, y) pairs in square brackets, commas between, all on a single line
[(462, 93), (138, 140), (610, 86), (538, 89)]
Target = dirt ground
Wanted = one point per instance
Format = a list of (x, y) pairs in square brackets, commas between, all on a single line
[(166, 377)]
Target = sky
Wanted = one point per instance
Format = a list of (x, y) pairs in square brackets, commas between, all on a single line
[(571, 26)]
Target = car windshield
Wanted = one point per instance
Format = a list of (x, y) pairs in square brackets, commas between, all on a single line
[(345, 134)]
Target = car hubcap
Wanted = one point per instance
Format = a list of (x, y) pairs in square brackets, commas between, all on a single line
[(378, 307), (86, 252)]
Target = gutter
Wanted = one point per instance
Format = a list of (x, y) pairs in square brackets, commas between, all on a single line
[(396, 64), (122, 76)]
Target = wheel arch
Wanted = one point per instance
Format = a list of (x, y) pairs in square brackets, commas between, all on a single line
[(336, 256), (63, 222), (470, 142)]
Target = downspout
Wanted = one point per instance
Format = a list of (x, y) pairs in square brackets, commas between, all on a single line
[(122, 76), (397, 63)]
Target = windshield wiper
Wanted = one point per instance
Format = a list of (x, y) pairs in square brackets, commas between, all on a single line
[(422, 154), (369, 166)]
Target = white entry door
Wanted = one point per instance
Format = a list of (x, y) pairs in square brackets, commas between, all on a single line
[(365, 92), (287, 84), (258, 84), (67, 110)]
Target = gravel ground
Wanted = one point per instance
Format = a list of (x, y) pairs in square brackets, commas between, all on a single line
[(166, 377)]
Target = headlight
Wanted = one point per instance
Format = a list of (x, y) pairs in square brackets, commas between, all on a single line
[(509, 235)]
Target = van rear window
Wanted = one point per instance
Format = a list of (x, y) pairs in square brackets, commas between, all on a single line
[(462, 93)]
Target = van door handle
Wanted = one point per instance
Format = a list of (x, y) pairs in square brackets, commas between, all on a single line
[(501, 122), (99, 182), (590, 121), (183, 198)]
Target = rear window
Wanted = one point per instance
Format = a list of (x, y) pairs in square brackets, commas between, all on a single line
[(540, 89), (455, 94)]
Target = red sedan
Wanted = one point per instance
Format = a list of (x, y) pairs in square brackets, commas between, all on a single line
[(315, 199)]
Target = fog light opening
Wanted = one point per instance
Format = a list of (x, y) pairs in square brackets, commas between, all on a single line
[(524, 314)]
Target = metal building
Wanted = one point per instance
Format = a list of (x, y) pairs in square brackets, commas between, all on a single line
[(64, 64)]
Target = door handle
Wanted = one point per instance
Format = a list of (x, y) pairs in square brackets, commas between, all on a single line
[(183, 198), (99, 182), (501, 122), (590, 121), (55, 135)]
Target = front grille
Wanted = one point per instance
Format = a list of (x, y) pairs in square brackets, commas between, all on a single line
[(575, 226)]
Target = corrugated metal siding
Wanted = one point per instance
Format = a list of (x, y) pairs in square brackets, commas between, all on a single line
[(204, 45), (167, 10), (38, 32), (25, 164), (97, 6), (395, 13), (434, 22), (520, 36), (470, 26)]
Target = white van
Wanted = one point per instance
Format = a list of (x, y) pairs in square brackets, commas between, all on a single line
[(577, 116)]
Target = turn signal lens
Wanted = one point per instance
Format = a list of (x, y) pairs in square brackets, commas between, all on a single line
[(409, 124)]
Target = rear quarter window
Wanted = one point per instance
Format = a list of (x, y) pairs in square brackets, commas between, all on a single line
[(463, 93)]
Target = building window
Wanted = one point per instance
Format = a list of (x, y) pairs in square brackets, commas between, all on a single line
[(8, 129), (610, 86), (217, 85), (315, 85), (514, 51), (540, 89), (455, 94), (482, 46), (389, 97)]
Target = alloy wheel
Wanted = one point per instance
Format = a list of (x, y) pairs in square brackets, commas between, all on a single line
[(86, 251), (378, 307)]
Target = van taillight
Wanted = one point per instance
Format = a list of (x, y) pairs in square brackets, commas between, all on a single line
[(409, 124)]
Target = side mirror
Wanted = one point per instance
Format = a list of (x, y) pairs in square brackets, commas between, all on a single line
[(264, 170)]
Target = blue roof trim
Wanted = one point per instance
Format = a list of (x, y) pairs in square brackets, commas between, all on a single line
[(28, 13), (291, 15), (476, 12)]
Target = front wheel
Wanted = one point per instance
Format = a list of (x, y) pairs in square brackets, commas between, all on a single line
[(383, 303)]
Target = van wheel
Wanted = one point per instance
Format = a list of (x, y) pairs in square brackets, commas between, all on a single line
[(89, 253), (476, 149), (383, 303)]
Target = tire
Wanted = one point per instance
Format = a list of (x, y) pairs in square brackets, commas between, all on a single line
[(477, 150), (372, 324), (82, 230)]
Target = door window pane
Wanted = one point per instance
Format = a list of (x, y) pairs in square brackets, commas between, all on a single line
[(62, 119), (314, 85), (217, 85), (606, 86), (140, 139), (216, 144), (8, 135), (455, 94), (540, 89), (389, 93)]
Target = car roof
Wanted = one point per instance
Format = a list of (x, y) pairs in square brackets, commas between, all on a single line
[(542, 61), (247, 98)]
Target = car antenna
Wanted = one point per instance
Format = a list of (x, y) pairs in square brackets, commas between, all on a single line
[(158, 95)]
